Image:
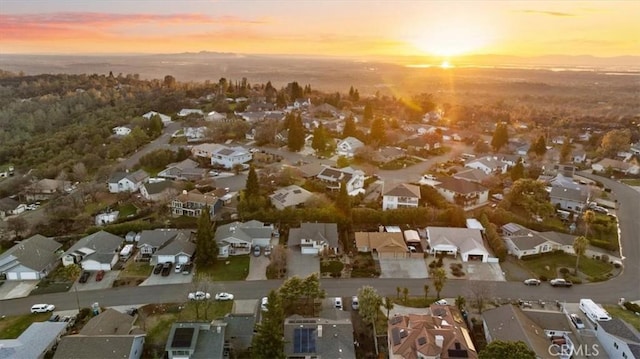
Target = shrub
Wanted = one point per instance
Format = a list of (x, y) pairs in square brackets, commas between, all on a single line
[(632, 307), (605, 258), (543, 278), (564, 270)]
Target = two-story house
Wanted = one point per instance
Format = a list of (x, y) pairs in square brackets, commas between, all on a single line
[(228, 157), (348, 146), (466, 194), (334, 177), (401, 195), (192, 203), (127, 182), (315, 238)]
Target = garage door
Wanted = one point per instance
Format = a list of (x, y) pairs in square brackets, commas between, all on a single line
[(475, 257), (183, 259), (163, 259), (28, 275), (12, 276)]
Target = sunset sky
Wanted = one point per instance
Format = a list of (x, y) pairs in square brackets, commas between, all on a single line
[(321, 27)]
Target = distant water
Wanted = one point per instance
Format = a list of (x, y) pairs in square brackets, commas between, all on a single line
[(628, 71)]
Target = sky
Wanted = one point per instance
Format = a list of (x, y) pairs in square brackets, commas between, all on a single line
[(349, 28)]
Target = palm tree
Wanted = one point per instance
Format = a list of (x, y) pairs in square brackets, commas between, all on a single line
[(426, 291), (579, 247), (460, 302), (388, 305), (405, 294), (398, 290), (588, 217), (439, 277)]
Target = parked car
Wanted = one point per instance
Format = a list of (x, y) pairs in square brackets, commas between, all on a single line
[(99, 275), (600, 209), (263, 304), (560, 282), (199, 295), (441, 302), (224, 296), (256, 251), (267, 251), (158, 268), (178, 268), (575, 319), (54, 318), (214, 173), (338, 303), (166, 268), (532, 281), (42, 308), (412, 249), (186, 268), (84, 277), (355, 304)]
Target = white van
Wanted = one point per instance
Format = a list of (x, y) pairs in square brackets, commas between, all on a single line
[(594, 312), (42, 308)]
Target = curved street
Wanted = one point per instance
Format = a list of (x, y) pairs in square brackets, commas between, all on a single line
[(623, 286)]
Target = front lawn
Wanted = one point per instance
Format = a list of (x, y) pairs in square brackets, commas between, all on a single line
[(399, 163), (631, 182), (626, 315), (547, 265), (12, 327), (332, 267), (127, 210), (232, 268), (136, 269)]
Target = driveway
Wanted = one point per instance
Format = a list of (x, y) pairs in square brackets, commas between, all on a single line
[(91, 284), (17, 288), (173, 278), (258, 267), (300, 264), (403, 268), (483, 271)]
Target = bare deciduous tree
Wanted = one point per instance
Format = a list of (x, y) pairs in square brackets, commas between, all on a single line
[(479, 294)]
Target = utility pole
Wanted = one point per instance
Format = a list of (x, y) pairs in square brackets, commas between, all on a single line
[(77, 297)]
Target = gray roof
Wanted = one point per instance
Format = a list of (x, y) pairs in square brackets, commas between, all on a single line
[(101, 242), (317, 231), (508, 323), (202, 339), (36, 252), (180, 244), (138, 176), (157, 187), (291, 196), (240, 329), (246, 231), (109, 322), (527, 241), (463, 238), (460, 186), (33, 342), (560, 238), (471, 174), (117, 177), (95, 346), (335, 341), (403, 190), (156, 238), (621, 329), (568, 194), (549, 320), (514, 228), (8, 204)]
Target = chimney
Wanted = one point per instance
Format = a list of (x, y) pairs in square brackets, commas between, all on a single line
[(439, 340), (319, 331), (218, 329)]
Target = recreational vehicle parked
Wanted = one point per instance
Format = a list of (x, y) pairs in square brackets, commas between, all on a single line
[(593, 311)]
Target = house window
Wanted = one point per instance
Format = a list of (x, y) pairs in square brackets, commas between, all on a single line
[(624, 355), (615, 345)]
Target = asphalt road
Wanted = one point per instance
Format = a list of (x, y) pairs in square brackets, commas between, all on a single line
[(158, 143)]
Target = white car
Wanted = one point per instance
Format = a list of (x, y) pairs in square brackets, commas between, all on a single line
[(199, 295), (532, 281), (224, 296), (575, 319), (338, 303), (263, 304), (441, 302), (355, 304), (42, 308)]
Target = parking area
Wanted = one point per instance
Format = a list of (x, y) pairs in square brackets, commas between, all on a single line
[(300, 264), (92, 284), (11, 289), (172, 278), (403, 268)]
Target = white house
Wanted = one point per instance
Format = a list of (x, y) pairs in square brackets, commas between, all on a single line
[(400, 196), (348, 146), (164, 118), (106, 218), (127, 182), (179, 250), (238, 238), (568, 198), (464, 193), (290, 196), (353, 178), (453, 241), (98, 251), (30, 259), (228, 157), (624, 167), (190, 111), (521, 241), (618, 338), (488, 164), (215, 116), (121, 131), (314, 238)]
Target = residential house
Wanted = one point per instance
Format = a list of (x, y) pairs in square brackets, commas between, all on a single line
[(127, 182), (178, 250), (319, 337), (401, 195), (196, 340), (97, 251), (440, 334), (192, 203), (186, 170), (35, 342), (107, 217), (388, 154), (488, 164), (164, 118), (620, 166), (301, 103), (190, 111), (46, 188), (568, 198), (315, 238), (110, 334), (30, 259), (290, 196), (563, 181), (353, 179), (464, 193), (453, 241), (238, 238), (228, 157), (215, 116), (161, 191), (205, 150), (384, 244), (121, 131), (472, 175), (521, 241), (510, 323), (579, 156), (348, 146), (239, 331), (149, 241), (194, 134), (635, 149), (618, 339), (10, 207)]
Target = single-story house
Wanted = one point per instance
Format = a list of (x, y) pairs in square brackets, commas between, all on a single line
[(190, 111), (568, 198), (388, 154), (464, 193), (608, 163), (34, 342), (46, 188), (106, 218), (315, 238), (149, 241), (205, 150), (179, 250), (290, 196), (30, 259), (185, 170), (401, 195), (121, 131), (488, 164), (10, 207), (472, 175), (98, 251), (348, 146), (164, 118), (127, 182), (529, 244), (453, 241), (319, 337), (158, 191), (385, 244), (238, 238), (79, 346)]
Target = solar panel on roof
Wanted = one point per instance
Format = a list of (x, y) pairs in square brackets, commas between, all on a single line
[(182, 337), (395, 336), (304, 340)]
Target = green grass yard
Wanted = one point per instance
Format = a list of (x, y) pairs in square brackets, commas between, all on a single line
[(232, 268), (624, 314), (12, 327), (554, 261), (631, 182)]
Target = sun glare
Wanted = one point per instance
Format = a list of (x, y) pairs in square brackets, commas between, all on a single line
[(445, 65), (451, 39)]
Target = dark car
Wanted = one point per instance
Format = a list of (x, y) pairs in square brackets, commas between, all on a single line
[(166, 269), (54, 318), (84, 277), (158, 268), (186, 268), (99, 275)]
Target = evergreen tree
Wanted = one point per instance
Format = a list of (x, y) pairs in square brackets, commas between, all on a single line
[(343, 202), (539, 147), (349, 129), (500, 137), (517, 172), (252, 188), (296, 135), (268, 342), (565, 151), (378, 135), (368, 113), (511, 350), (205, 244), (320, 140)]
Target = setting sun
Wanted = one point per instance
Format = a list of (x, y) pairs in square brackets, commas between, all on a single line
[(452, 38), (446, 65)]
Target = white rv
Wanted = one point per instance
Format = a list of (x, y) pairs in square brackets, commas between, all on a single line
[(593, 311)]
